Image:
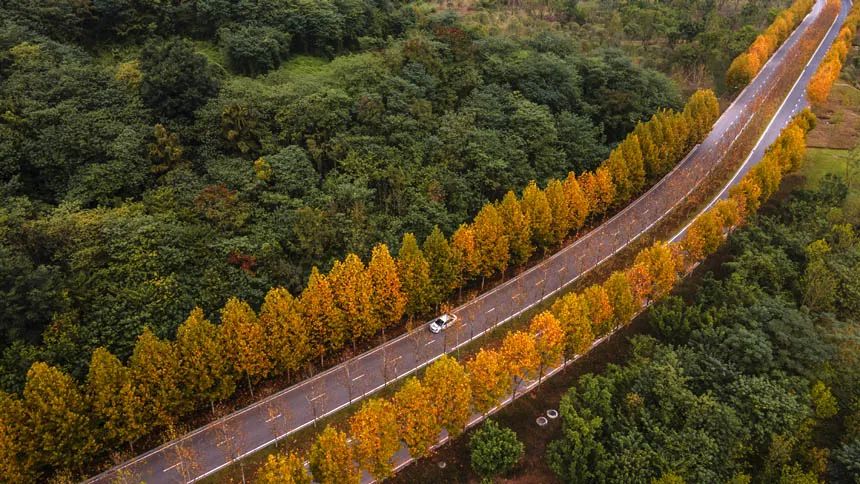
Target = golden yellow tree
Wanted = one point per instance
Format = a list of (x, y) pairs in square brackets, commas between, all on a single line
[(641, 283), (331, 459), (549, 340), (747, 194), (288, 334), (660, 263), (517, 229), (620, 298), (283, 469), (154, 371), (489, 378), (520, 354), (447, 384), (414, 273), (704, 236), (115, 405), (351, 288), (322, 315), (635, 164), (60, 433), (244, 338), (599, 307), (576, 201), (562, 214), (464, 249), (621, 178), (605, 191), (573, 313), (13, 440), (387, 298), (537, 210), (204, 370), (375, 437), (492, 243), (418, 419)]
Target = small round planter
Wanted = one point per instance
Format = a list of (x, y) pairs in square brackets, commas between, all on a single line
[(552, 413), (541, 421)]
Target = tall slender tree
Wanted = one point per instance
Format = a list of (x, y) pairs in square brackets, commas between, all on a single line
[(288, 335), (387, 299), (351, 288), (517, 229), (576, 201), (323, 316), (244, 338), (419, 424), (490, 379), (537, 209), (444, 276), (492, 243), (562, 213), (204, 370), (154, 370), (414, 273)]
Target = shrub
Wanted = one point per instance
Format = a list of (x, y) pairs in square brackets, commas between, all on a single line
[(254, 50), (495, 450)]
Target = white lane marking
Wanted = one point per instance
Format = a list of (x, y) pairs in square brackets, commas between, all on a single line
[(491, 310), (538, 283), (562, 268), (316, 397), (228, 439), (174, 466), (358, 377), (272, 418), (430, 342)]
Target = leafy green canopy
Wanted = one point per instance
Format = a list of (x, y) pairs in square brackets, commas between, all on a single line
[(754, 380)]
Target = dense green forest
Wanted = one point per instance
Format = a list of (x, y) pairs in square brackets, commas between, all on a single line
[(754, 375), (157, 157)]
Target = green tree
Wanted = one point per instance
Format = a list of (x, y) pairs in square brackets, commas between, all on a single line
[(494, 450), (176, 79)]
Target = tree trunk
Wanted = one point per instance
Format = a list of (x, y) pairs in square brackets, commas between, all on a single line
[(250, 387)]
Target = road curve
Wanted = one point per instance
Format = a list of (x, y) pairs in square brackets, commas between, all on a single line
[(216, 445)]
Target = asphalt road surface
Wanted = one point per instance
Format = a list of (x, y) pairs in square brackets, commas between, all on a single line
[(214, 446)]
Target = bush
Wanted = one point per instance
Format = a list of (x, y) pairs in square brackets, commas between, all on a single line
[(254, 50), (176, 79), (495, 450)]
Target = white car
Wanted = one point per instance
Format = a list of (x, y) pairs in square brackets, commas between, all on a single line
[(442, 322)]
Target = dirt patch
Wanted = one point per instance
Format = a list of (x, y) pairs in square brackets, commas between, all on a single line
[(838, 119)]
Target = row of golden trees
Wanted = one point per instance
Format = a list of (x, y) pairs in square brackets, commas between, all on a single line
[(164, 380), (822, 81), (746, 65), (58, 424), (450, 393)]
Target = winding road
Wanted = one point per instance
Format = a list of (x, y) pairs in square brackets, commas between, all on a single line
[(210, 448)]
